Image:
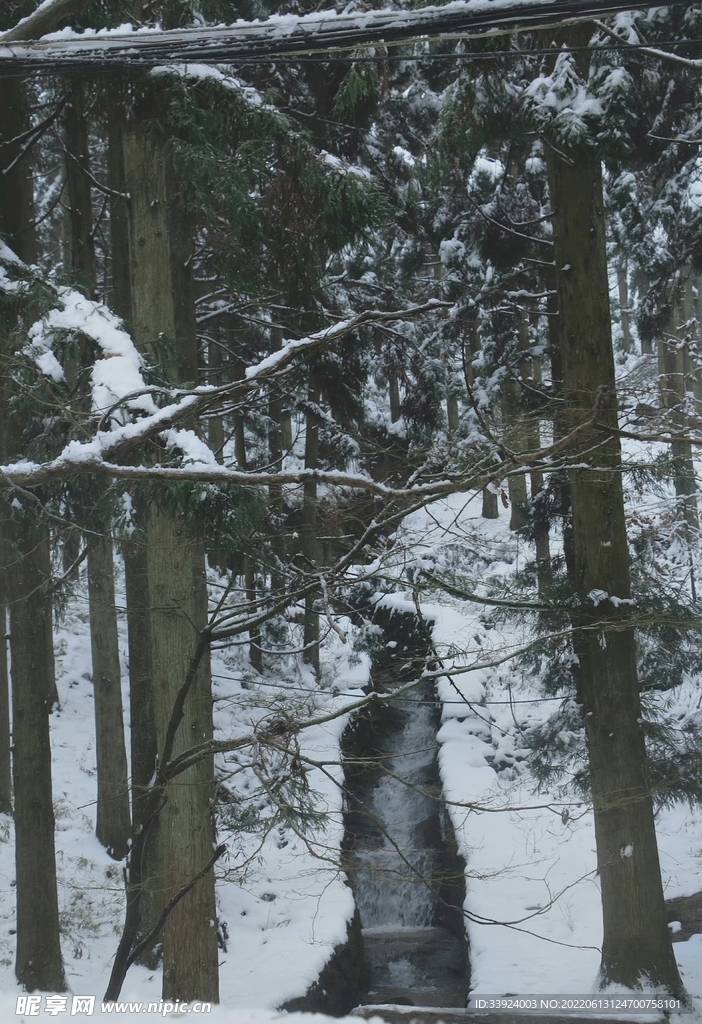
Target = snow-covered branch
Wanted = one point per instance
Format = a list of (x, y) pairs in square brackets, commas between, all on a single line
[(128, 408), (119, 394), (118, 376), (651, 51), (88, 457), (43, 20)]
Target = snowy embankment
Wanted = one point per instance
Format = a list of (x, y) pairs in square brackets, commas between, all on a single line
[(533, 912), (532, 905), (283, 902)]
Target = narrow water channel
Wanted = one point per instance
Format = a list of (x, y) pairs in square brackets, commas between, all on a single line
[(397, 855), (394, 864)]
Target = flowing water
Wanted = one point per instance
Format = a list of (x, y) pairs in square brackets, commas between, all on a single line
[(396, 859), (393, 878)]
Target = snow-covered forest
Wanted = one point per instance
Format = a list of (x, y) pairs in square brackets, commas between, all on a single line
[(350, 560)]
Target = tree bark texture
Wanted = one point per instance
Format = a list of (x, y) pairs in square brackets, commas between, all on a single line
[(143, 746), (38, 964), (38, 960), (516, 436), (249, 568), (641, 284), (542, 541), (113, 824), (178, 610), (636, 949), (80, 222), (5, 741), (113, 821), (453, 416), (16, 185), (672, 360), (623, 288), (163, 308), (490, 509), (309, 531), (143, 726), (120, 283), (255, 652), (276, 503), (394, 397)]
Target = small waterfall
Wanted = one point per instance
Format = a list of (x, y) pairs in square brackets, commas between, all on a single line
[(406, 878), (391, 878)]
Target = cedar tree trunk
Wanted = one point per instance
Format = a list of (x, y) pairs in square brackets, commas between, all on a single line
[(163, 307), (38, 962), (636, 949), (113, 825)]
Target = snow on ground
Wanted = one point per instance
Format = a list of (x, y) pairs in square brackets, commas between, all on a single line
[(533, 901), (532, 904), (284, 912)]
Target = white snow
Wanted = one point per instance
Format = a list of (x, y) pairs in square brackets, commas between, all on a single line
[(195, 450), (282, 896), (116, 375), (533, 903), (222, 75)]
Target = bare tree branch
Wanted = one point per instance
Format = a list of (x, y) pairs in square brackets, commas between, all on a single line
[(148, 940)]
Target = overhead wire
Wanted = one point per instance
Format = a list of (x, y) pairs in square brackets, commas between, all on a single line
[(398, 700), (309, 37)]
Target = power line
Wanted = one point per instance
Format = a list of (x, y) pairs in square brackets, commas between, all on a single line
[(288, 36), (477, 57), (398, 700)]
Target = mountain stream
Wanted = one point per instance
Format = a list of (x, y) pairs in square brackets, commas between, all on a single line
[(407, 878)]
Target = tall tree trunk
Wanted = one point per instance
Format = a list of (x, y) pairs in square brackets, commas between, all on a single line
[(71, 553), (190, 967), (490, 508), (394, 396), (215, 377), (636, 949), (640, 280), (38, 963), (309, 531), (5, 741), (113, 824), (623, 287), (276, 504), (672, 359), (692, 316), (81, 251), (515, 435), (559, 430), (120, 280), (471, 346), (162, 305), (143, 746), (143, 725), (532, 372), (452, 412), (255, 653)]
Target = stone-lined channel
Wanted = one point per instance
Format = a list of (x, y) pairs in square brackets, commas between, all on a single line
[(400, 853)]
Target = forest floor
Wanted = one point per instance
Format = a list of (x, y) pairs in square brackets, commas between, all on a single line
[(532, 904)]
